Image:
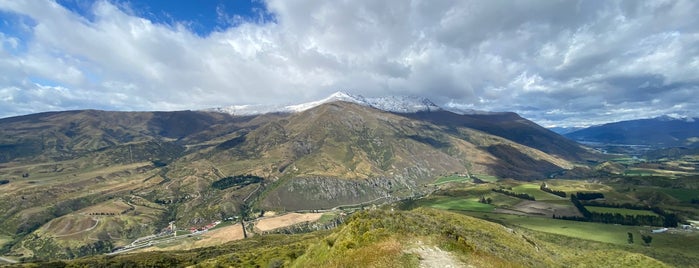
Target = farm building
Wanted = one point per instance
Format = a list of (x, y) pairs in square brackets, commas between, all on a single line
[(657, 231)]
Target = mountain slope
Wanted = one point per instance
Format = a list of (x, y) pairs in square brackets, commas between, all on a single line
[(657, 132), (512, 127), (343, 153)]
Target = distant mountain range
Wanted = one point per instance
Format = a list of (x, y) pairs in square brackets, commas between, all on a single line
[(659, 132), (564, 130)]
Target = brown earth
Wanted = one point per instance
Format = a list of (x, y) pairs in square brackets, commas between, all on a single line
[(266, 224), (69, 225), (545, 209)]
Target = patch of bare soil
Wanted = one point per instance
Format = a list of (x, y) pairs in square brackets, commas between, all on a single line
[(68, 225), (546, 209), (211, 238), (434, 257), (220, 236), (509, 211), (271, 223)]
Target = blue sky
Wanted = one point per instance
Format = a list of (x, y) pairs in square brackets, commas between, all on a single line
[(559, 63), (201, 16)]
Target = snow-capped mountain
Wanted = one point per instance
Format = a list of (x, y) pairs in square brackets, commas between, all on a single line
[(389, 104)]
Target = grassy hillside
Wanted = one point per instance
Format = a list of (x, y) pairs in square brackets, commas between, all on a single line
[(386, 238)]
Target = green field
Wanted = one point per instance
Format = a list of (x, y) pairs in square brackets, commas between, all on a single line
[(679, 248), (326, 218), (600, 232), (622, 211), (453, 178), (684, 195), (456, 203), (533, 190), (485, 177), (224, 224)]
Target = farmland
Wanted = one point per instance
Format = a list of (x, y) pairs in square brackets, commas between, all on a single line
[(452, 178), (456, 203)]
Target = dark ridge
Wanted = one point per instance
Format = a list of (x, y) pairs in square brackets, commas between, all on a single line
[(512, 127)]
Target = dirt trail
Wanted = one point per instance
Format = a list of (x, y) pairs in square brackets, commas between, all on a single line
[(7, 260), (434, 257)]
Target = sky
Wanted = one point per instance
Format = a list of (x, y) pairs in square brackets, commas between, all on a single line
[(558, 63)]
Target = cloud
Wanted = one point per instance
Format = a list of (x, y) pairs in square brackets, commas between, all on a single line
[(556, 62)]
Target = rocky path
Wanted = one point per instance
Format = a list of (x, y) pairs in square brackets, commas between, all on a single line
[(434, 257)]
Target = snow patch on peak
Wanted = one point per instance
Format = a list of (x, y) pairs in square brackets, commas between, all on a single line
[(675, 117), (337, 96), (410, 104), (390, 104)]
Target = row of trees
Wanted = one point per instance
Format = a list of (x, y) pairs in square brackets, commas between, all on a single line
[(588, 196), (663, 219), (545, 188), (518, 195), (617, 218)]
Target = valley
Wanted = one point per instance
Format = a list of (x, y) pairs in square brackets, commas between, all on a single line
[(98, 186)]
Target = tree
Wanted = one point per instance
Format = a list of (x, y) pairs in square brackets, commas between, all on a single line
[(482, 200), (647, 239), (630, 239), (244, 209)]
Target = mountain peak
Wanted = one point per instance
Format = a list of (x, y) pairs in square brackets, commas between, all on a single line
[(396, 104)]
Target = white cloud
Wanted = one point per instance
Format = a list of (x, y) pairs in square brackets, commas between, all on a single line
[(555, 62)]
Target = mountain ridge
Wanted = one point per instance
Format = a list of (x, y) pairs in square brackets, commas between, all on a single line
[(663, 131), (396, 104)]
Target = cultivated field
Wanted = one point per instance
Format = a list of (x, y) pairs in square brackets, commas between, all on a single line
[(271, 223), (457, 203), (212, 237)]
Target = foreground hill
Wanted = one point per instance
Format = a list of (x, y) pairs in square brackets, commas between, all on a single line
[(84, 182), (657, 132), (383, 238)]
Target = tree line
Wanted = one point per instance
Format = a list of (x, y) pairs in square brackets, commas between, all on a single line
[(518, 195), (663, 219), (545, 188), (588, 196)]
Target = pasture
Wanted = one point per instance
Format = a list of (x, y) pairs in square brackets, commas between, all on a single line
[(452, 178), (457, 203)]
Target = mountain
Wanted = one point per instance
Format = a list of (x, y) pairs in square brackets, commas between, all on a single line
[(659, 132), (382, 154), (512, 127), (74, 176), (564, 130)]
